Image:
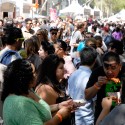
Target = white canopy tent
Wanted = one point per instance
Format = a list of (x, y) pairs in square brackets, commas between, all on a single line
[(74, 7), (121, 14), (96, 12), (117, 17), (87, 10), (113, 19)]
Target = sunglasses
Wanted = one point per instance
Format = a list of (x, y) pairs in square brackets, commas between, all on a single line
[(112, 66), (38, 34), (20, 39), (54, 33), (30, 23)]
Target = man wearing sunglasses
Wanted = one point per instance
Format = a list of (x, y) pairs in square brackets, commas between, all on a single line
[(101, 77), (53, 35)]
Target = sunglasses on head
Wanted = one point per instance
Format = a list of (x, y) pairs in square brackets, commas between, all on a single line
[(20, 39), (112, 66), (54, 33)]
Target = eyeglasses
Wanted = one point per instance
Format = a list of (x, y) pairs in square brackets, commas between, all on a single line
[(112, 66), (54, 33)]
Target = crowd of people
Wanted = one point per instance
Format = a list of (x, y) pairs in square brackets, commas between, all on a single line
[(62, 72)]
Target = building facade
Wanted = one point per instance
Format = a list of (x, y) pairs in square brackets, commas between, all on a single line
[(26, 8), (15, 8)]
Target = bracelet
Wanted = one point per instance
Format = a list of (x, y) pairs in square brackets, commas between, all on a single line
[(59, 116), (97, 87), (98, 84)]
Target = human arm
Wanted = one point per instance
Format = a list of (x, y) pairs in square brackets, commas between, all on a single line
[(78, 39), (75, 44), (54, 121), (48, 94), (53, 108), (65, 109), (92, 91), (56, 107), (59, 116), (106, 105)]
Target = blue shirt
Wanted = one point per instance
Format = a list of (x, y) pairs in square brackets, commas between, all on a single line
[(81, 46), (76, 88), (7, 56)]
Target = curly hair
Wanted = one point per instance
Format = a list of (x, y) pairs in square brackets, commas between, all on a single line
[(17, 78)]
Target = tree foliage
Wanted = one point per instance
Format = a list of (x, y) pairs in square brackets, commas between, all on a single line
[(112, 6), (108, 7)]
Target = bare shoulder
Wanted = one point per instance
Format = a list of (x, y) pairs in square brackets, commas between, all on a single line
[(45, 87), (47, 93)]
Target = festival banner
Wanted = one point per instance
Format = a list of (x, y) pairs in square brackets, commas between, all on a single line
[(53, 14)]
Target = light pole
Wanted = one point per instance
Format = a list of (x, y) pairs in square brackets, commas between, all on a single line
[(44, 4), (101, 5), (69, 1), (101, 9)]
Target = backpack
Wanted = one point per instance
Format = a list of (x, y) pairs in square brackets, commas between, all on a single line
[(6, 57)]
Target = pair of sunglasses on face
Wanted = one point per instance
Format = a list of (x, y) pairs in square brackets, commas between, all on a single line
[(111, 66), (29, 23), (39, 34), (54, 33)]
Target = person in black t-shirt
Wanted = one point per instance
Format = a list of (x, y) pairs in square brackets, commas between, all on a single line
[(100, 77)]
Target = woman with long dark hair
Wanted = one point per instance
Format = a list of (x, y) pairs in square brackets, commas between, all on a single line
[(50, 77)]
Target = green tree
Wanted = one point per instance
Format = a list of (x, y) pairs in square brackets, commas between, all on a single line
[(81, 2), (110, 6)]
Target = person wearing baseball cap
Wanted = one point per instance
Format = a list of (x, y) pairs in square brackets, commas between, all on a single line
[(53, 34)]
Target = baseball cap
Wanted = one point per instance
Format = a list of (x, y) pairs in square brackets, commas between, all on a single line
[(53, 28)]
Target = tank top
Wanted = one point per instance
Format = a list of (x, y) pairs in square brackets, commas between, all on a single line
[(71, 119)]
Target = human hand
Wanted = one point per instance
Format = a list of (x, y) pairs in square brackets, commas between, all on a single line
[(66, 103), (102, 80), (107, 103), (65, 112)]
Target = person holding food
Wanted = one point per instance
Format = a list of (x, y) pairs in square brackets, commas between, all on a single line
[(77, 84), (117, 115), (104, 81)]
